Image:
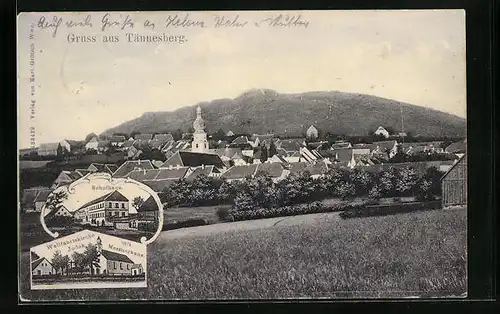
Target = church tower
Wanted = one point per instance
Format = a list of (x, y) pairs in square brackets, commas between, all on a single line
[(200, 142)]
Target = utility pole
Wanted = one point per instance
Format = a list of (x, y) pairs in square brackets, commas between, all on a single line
[(402, 124)]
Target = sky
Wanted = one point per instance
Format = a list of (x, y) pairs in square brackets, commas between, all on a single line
[(411, 56)]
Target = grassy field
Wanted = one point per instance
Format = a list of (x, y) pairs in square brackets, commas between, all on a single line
[(179, 214), (421, 254)]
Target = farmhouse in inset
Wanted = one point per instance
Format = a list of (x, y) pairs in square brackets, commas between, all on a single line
[(42, 267)]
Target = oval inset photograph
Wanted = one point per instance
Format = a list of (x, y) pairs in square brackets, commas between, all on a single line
[(119, 207)]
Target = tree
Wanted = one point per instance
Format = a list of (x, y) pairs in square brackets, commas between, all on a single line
[(406, 181), (79, 262), (219, 135), (91, 257), (263, 153), (58, 262), (272, 149), (177, 134), (55, 199), (90, 136), (400, 156), (121, 134), (134, 133), (137, 202)]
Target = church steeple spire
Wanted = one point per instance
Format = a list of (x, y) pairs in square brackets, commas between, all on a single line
[(200, 143), (199, 124)]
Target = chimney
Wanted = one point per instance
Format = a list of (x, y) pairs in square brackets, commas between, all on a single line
[(202, 166)]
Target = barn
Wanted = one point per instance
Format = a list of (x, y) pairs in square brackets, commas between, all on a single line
[(454, 184)]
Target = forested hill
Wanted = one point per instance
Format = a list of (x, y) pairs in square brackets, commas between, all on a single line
[(260, 111)]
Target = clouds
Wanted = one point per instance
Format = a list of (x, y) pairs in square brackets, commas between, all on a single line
[(413, 56)]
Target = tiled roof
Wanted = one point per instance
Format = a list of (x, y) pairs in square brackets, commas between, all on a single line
[(112, 256), (76, 144), (29, 196), (261, 137), (273, 169), (383, 145), (344, 154), (117, 139), (159, 185), (114, 196), (34, 256), (103, 144), (48, 146), (149, 205), (291, 144), (457, 147), (163, 137), (317, 168), (193, 159), (239, 172), (157, 144), (128, 143), (74, 175), (198, 171), (38, 261), (83, 171), (297, 167), (174, 173), (43, 195), (240, 140), (130, 165), (158, 174), (227, 152), (145, 174), (143, 137), (361, 146)]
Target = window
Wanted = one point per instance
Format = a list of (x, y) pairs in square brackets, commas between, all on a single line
[(128, 266), (114, 265), (123, 205), (121, 265), (117, 205), (123, 214), (110, 204), (196, 145)]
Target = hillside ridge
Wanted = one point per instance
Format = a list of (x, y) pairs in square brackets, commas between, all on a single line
[(265, 110)]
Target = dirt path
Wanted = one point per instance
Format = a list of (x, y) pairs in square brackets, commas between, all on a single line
[(248, 225)]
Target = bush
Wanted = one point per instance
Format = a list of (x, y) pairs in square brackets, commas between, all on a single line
[(300, 209), (381, 210), (147, 226), (185, 224)]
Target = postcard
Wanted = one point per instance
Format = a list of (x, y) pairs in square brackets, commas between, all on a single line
[(244, 155)]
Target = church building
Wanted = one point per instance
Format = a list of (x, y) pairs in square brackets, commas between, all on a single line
[(200, 142)]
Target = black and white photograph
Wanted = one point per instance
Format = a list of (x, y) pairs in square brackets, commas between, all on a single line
[(277, 155), (114, 206), (88, 260)]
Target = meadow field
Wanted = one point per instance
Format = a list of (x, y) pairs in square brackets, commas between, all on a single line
[(420, 254)]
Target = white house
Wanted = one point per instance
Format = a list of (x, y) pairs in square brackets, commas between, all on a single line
[(63, 211), (92, 144), (65, 145), (312, 132), (382, 131), (42, 267)]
